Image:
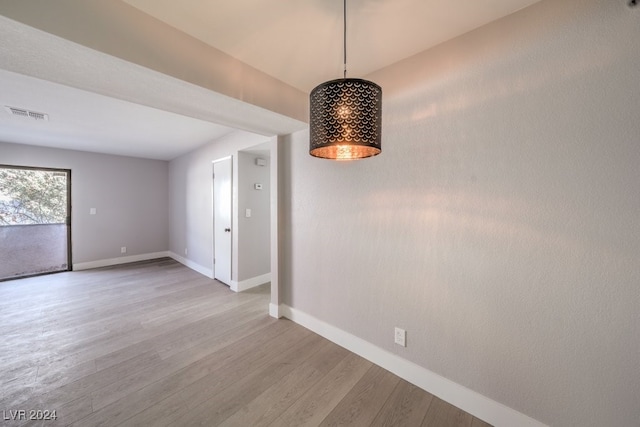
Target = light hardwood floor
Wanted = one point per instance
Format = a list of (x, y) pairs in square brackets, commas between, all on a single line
[(156, 344)]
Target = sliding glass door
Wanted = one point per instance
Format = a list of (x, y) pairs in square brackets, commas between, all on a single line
[(35, 221)]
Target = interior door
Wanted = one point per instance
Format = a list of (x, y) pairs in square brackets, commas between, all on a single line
[(222, 208)]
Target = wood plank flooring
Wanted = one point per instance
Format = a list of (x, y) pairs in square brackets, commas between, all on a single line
[(156, 344)]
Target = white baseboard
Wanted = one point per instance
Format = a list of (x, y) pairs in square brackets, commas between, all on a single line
[(119, 260), (468, 400), (274, 310), (192, 265), (250, 283)]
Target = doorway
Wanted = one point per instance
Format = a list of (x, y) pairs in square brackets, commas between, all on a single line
[(222, 213), (35, 221), (253, 221)]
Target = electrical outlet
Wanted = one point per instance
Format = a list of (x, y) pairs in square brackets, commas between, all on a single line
[(401, 337), (123, 250)]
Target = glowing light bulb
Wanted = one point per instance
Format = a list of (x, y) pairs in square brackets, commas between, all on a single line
[(343, 111)]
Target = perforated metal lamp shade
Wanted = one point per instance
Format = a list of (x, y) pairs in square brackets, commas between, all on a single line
[(345, 119)]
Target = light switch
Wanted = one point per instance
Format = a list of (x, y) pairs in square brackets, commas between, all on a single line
[(247, 213), (257, 186), (92, 211)]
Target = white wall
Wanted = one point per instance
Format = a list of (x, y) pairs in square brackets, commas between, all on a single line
[(254, 237), (129, 194), (500, 226), (191, 203)]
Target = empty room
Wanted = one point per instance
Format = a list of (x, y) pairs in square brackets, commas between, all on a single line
[(320, 212)]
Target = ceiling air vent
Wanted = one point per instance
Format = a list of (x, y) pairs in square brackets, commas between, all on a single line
[(21, 112)]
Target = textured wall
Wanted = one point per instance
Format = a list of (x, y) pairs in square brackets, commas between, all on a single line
[(500, 225), (129, 194)]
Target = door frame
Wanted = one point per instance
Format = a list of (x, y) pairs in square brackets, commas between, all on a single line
[(68, 218), (276, 145)]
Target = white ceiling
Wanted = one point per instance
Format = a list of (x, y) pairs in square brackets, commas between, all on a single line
[(296, 41), (300, 41), (96, 123)]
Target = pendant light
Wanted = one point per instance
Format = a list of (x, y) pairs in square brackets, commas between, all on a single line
[(345, 116)]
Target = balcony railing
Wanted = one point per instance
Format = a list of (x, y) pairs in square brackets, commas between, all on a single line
[(32, 249)]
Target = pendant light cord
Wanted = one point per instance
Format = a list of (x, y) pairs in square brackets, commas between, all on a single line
[(344, 38)]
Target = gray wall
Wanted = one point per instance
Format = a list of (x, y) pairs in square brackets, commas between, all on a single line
[(129, 194), (254, 237), (500, 226), (191, 203)]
